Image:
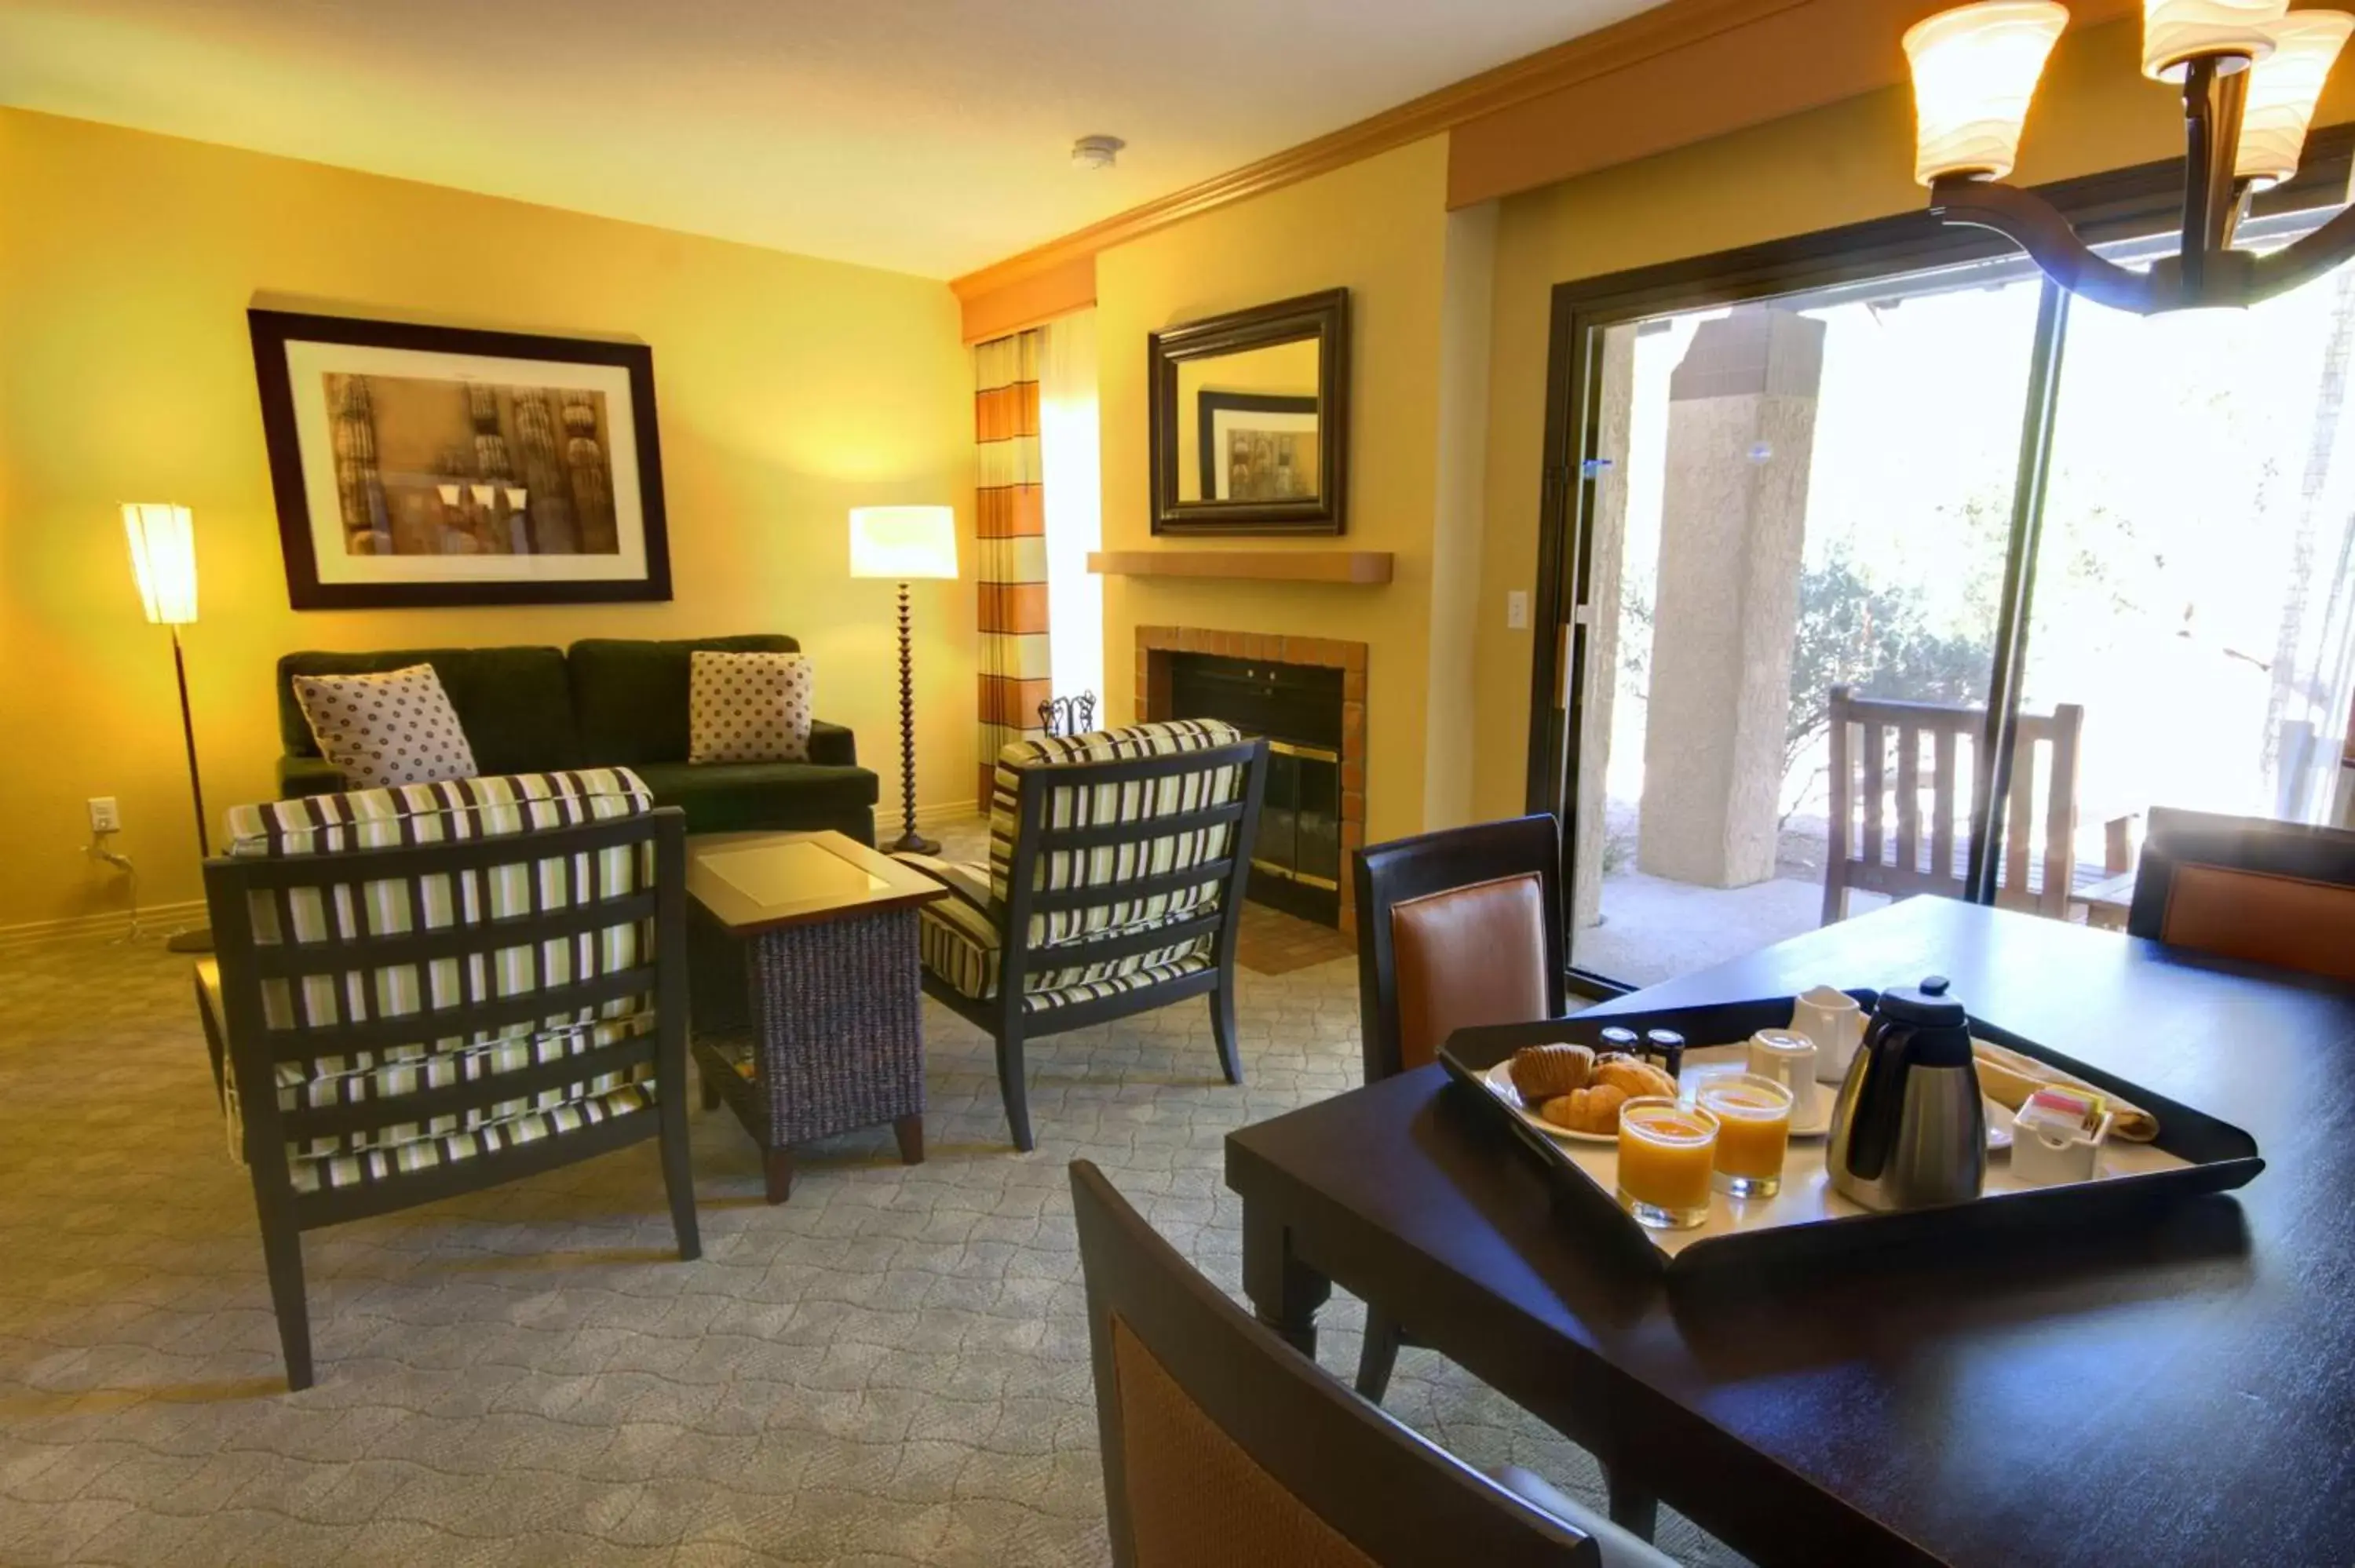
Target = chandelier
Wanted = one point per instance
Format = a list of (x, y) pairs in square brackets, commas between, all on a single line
[(2251, 72)]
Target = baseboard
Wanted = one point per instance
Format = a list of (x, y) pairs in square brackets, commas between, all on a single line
[(157, 921), (945, 812)]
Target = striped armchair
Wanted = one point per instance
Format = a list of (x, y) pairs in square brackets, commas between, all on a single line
[(1116, 868), (428, 989)]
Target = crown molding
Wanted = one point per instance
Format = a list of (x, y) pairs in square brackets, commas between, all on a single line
[(1679, 73), (1052, 270)]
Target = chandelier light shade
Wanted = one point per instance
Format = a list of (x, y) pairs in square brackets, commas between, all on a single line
[(1975, 70), (2251, 76), (902, 542), (2284, 89), (2177, 32), (163, 561)]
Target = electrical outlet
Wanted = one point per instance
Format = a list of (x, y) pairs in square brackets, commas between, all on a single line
[(105, 816), (1516, 609)]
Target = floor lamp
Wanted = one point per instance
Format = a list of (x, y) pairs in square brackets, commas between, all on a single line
[(163, 560), (901, 544)]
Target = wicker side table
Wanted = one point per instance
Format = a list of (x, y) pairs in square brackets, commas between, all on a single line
[(830, 1035)]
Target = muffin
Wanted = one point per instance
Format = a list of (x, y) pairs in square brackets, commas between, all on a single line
[(1542, 1072)]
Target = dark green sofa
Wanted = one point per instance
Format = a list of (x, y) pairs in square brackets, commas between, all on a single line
[(604, 702)]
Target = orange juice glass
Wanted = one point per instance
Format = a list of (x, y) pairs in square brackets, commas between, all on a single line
[(1665, 1159), (1753, 1119)]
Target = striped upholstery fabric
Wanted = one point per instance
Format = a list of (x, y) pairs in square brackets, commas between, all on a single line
[(445, 811), (961, 937), (1010, 525)]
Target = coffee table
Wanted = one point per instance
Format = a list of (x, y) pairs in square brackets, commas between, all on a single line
[(808, 1007)]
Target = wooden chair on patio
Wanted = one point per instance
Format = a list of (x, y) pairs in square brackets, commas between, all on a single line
[(1877, 843)]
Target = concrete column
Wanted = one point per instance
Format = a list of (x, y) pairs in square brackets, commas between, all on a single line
[(1607, 559), (1742, 423)]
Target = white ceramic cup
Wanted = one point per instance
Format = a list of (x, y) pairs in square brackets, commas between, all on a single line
[(1787, 1058), (1829, 1017)]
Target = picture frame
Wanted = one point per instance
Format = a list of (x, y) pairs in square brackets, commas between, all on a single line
[(416, 465), (1200, 372), (1242, 435)]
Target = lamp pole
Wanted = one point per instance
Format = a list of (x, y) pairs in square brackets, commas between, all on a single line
[(910, 842), (188, 735)]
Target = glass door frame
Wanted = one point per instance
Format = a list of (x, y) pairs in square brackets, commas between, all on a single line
[(2125, 204)]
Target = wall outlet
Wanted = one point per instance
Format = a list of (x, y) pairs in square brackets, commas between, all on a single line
[(105, 816), (1516, 609)]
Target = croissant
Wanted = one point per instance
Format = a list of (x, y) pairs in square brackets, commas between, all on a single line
[(1632, 1077), (1594, 1108), (1541, 1072)]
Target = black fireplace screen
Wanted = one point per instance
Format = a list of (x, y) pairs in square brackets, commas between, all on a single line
[(1298, 864)]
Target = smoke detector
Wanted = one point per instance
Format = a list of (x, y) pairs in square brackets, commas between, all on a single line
[(1097, 152)]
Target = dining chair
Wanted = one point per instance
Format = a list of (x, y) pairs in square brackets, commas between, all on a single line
[(1455, 930), (428, 989), (2248, 887), (1117, 862), (1222, 1445)]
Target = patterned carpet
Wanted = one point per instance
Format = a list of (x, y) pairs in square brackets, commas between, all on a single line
[(890, 1368)]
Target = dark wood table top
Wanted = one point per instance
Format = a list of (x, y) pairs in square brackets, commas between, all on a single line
[(2183, 1392)]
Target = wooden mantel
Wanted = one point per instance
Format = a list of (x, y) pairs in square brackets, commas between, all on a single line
[(1361, 568)]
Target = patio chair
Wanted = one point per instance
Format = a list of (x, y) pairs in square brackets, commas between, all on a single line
[(424, 990), (1222, 1445), (1117, 862), (2249, 887), (1884, 853)]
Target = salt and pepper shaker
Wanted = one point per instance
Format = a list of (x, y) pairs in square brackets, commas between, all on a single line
[(1670, 1047)]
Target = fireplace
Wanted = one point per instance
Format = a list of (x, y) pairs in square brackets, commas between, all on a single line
[(1307, 695)]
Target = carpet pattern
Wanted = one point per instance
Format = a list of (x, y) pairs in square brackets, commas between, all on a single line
[(892, 1368)]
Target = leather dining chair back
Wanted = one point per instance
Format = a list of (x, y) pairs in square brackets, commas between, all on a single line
[(1223, 1445), (1455, 930), (2249, 887)]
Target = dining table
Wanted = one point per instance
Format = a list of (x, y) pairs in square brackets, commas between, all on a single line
[(2176, 1386)]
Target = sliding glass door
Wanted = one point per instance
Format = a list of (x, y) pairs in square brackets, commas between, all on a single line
[(2195, 585), (1798, 503), (1929, 580)]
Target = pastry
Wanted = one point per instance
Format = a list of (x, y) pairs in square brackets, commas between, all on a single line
[(1632, 1077), (1541, 1072), (1594, 1108)]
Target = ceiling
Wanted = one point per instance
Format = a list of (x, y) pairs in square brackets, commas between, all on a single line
[(929, 136)]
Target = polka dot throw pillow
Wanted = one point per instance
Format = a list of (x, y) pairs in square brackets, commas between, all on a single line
[(749, 707), (393, 728)]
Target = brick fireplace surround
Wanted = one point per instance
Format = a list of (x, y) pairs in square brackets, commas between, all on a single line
[(1155, 644)]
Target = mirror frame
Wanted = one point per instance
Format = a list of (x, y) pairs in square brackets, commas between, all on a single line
[(1322, 316)]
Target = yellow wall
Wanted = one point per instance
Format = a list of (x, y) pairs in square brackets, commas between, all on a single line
[(789, 389), (1845, 164), (1378, 228)]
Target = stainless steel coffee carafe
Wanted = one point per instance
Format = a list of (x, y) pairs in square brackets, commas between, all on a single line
[(1908, 1130)]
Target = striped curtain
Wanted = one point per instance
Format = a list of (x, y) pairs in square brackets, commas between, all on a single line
[(1011, 520)]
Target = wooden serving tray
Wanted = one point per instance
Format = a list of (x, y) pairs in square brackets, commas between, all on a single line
[(2194, 1153)]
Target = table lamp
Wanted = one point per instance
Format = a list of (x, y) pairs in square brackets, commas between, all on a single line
[(901, 544), (164, 563)]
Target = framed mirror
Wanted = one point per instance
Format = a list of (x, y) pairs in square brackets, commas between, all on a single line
[(1250, 419)]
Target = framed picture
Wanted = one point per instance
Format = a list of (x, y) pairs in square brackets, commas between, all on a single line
[(424, 465), (1257, 447)]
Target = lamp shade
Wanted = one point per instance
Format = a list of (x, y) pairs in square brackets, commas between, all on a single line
[(902, 542), (2284, 88), (2174, 32), (1975, 70), (163, 561)]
